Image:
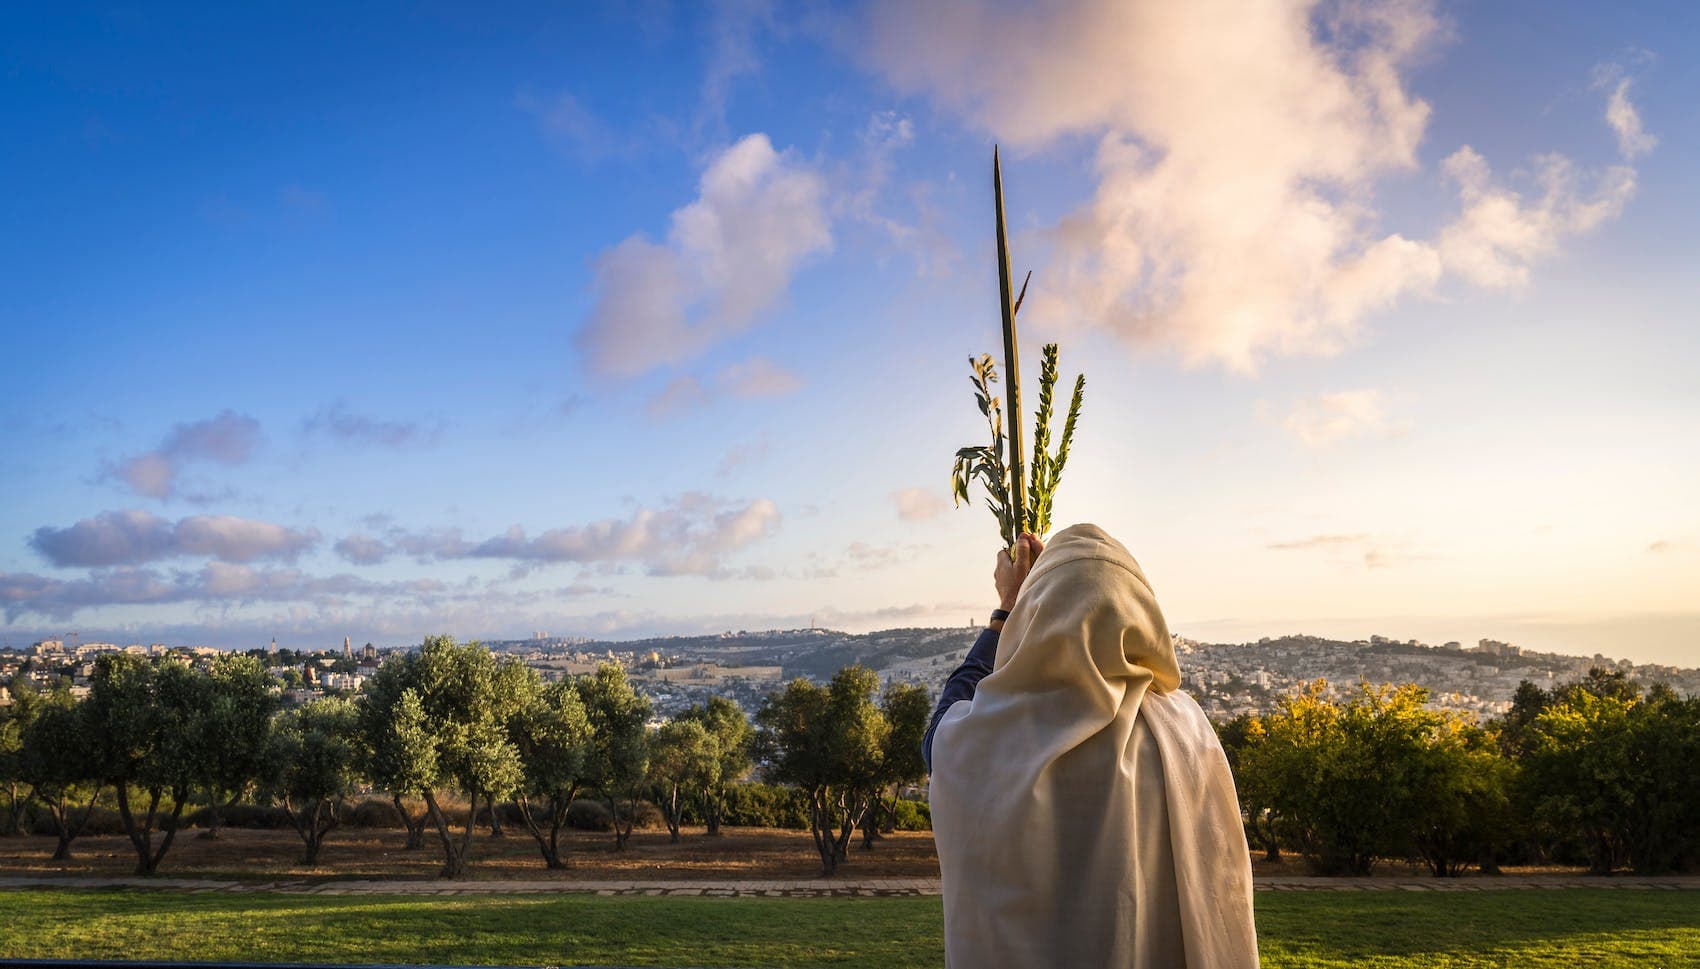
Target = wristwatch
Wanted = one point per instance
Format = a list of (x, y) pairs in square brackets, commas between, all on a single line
[(999, 614)]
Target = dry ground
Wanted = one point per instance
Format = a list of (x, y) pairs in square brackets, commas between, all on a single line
[(738, 854)]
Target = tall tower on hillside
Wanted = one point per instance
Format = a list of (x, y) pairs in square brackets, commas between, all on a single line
[(347, 648), (272, 649)]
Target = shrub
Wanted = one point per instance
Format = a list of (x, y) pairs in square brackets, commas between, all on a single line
[(372, 812), (588, 815), (914, 816), (765, 806)]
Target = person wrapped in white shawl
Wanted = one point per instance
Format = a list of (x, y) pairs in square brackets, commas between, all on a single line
[(1083, 808)]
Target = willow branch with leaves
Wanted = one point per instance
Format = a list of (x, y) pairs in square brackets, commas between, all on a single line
[(986, 462)]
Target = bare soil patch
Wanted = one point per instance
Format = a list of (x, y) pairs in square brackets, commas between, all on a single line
[(260, 855)]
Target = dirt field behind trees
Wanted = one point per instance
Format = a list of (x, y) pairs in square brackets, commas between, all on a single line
[(245, 853)]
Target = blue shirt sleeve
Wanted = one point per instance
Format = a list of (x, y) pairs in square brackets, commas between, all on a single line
[(962, 684)]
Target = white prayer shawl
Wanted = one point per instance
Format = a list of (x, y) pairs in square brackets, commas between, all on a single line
[(1083, 807)]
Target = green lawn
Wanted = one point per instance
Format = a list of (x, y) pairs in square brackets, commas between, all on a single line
[(1559, 928)]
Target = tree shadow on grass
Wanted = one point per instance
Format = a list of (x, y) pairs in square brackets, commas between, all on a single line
[(480, 929), (1568, 927)]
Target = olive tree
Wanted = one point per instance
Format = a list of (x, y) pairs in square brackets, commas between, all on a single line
[(682, 758), (57, 763), (233, 731), (619, 752), (15, 720), (313, 768), (441, 706), (729, 728), (906, 708), (827, 741), (553, 737), (397, 751), (142, 719)]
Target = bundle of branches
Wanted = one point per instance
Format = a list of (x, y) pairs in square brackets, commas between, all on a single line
[(988, 463)]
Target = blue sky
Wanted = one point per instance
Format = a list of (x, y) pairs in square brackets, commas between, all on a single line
[(655, 318)]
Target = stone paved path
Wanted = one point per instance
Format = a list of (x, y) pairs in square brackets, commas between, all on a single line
[(808, 888)]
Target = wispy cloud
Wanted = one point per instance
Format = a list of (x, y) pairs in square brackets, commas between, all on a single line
[(728, 259), (919, 504), (1372, 551), (228, 439), (1343, 415), (1633, 140), (335, 420), (134, 537), (742, 455), (573, 128), (759, 377), (756, 377), (734, 28)]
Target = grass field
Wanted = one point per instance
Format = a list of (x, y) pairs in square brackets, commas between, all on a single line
[(1545, 928)]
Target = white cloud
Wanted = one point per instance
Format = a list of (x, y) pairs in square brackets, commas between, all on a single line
[(728, 259), (919, 504), (689, 535), (1343, 415), (134, 537), (1238, 147), (1499, 234), (1633, 140)]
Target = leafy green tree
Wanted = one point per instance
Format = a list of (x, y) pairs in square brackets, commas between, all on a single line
[(234, 732), (683, 757), (437, 710), (1252, 783), (1460, 796), (143, 717), (313, 756), (15, 720), (828, 742), (1371, 777), (619, 752), (397, 750), (1579, 752), (1612, 771), (553, 737), (907, 708), (1665, 833), (733, 736), (57, 763)]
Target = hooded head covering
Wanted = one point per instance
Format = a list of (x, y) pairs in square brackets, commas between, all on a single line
[(1083, 808)]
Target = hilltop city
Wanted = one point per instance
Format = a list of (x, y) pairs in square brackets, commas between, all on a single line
[(676, 672)]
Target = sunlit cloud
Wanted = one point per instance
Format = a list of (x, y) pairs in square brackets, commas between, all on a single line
[(728, 260), (1238, 149)]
